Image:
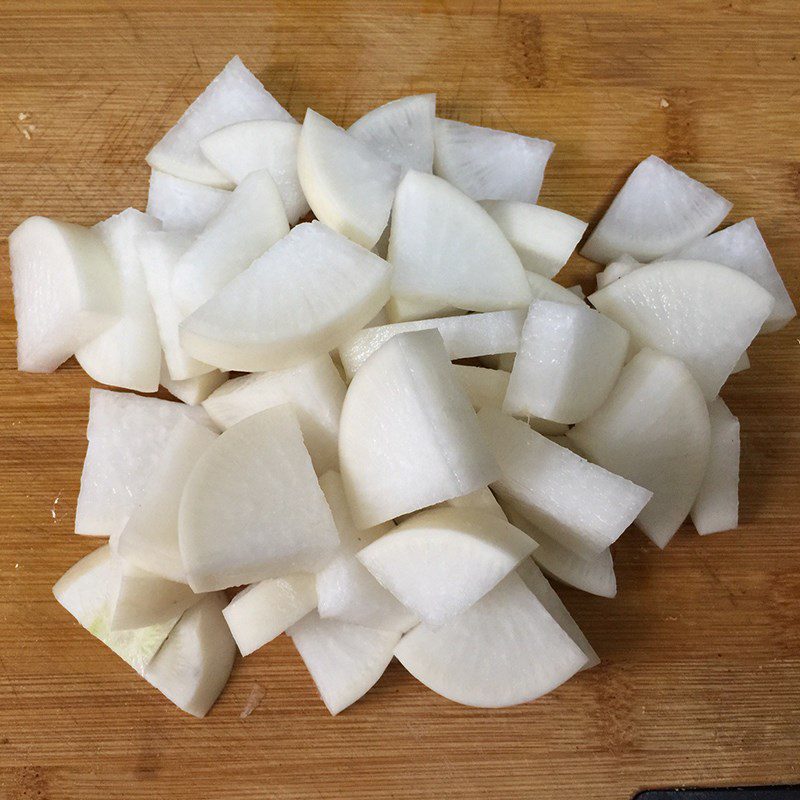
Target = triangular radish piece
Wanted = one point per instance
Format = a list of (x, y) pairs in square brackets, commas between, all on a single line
[(406, 397), (577, 290), (306, 295), (654, 430), (742, 364), (702, 313), (347, 186), (487, 164), (484, 387), (480, 500), (181, 205), (192, 391), (624, 265), (544, 289), (401, 309), (658, 210)]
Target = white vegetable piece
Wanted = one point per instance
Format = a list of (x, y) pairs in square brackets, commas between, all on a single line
[(305, 296), (742, 364), (348, 187), (441, 561), (235, 95), (487, 164), (265, 610), (128, 354), (252, 507), (544, 289), (583, 506), (195, 662), (568, 360), (314, 389), (702, 313), (654, 430), (481, 500), (344, 660), (658, 210), (66, 290), (406, 398), (182, 205), (484, 387), (401, 131), (447, 250), (716, 507), (400, 309), (246, 147), (623, 266), (543, 237), (504, 650), (192, 391)]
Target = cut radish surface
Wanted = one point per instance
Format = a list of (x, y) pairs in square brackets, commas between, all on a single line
[(235, 95), (181, 205), (742, 364), (504, 650), (431, 449), (658, 210), (484, 387), (400, 309), (347, 186), (252, 507), (306, 295), (66, 291), (654, 430), (192, 391), (544, 289), (487, 164), (446, 249), (702, 313), (623, 266), (481, 500)]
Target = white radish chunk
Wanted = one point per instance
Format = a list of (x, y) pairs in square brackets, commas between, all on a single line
[(658, 210), (181, 205), (66, 291), (623, 266), (401, 309), (544, 289), (654, 430), (742, 364), (348, 187), (406, 397), (192, 391), (484, 387), (252, 507), (577, 290), (481, 500), (305, 296)]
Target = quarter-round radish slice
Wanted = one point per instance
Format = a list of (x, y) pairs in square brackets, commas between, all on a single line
[(306, 295), (543, 237), (181, 205), (487, 164), (344, 660), (195, 662), (484, 387), (504, 650), (246, 147), (658, 210), (702, 313), (446, 249), (401, 131), (441, 561), (407, 398), (585, 507), (265, 610), (568, 360), (624, 265), (252, 507), (66, 290), (235, 95), (716, 507), (192, 391), (400, 309), (347, 186), (544, 289), (654, 430)]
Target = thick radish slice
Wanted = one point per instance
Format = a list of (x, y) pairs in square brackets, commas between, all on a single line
[(400, 309), (484, 387), (407, 398), (504, 650), (654, 430), (305, 296), (742, 364), (481, 500), (624, 265), (658, 210), (347, 186), (66, 291), (544, 289), (487, 164), (192, 391), (181, 205)]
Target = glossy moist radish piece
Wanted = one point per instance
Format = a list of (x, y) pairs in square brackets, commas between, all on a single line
[(307, 294), (447, 250), (347, 186), (252, 507), (654, 430), (487, 164), (192, 391), (401, 309), (406, 398), (658, 210), (66, 290), (624, 265), (235, 95), (583, 506), (481, 500), (544, 289), (568, 360), (504, 650), (702, 313), (716, 507), (182, 205), (484, 387), (265, 610)]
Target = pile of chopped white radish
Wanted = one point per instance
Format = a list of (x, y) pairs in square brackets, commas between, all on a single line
[(377, 499)]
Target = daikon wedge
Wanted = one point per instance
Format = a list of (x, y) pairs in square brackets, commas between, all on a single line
[(624, 265), (484, 387), (401, 309), (544, 289), (192, 391), (481, 500), (181, 205)]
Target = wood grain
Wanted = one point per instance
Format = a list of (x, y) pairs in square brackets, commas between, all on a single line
[(700, 682)]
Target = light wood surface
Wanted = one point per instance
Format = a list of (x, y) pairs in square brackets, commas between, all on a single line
[(700, 681)]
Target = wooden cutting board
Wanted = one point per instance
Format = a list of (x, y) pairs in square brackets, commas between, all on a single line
[(700, 681)]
